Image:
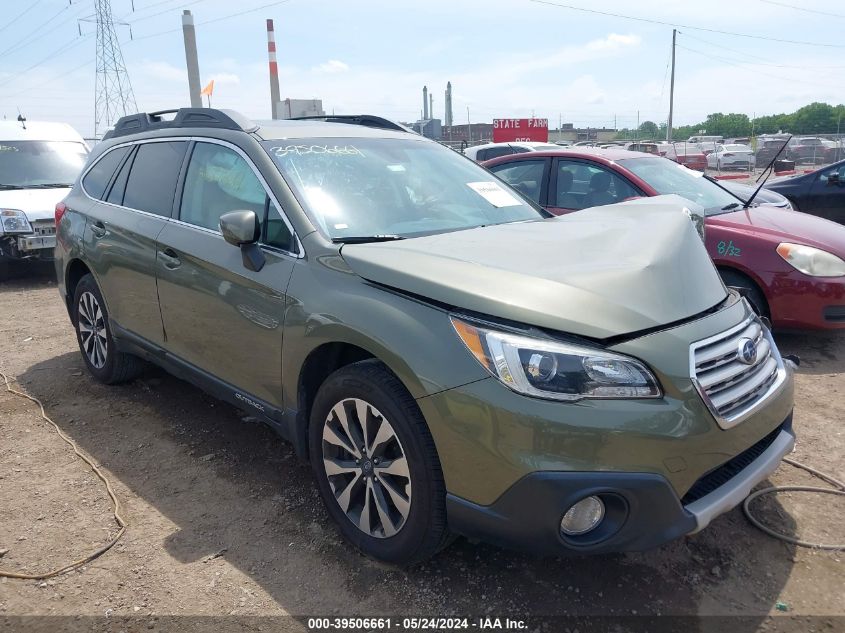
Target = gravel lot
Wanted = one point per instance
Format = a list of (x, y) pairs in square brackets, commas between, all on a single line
[(224, 520)]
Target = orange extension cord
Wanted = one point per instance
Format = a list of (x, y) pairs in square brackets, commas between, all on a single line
[(103, 478)]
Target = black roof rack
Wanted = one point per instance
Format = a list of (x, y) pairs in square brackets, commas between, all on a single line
[(369, 120), (184, 118)]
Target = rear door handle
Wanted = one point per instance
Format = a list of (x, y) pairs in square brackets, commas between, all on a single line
[(98, 229), (170, 258)]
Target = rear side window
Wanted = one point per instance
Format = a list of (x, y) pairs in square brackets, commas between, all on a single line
[(98, 177), (525, 176), (152, 180)]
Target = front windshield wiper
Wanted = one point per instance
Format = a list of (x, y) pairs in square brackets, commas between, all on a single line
[(366, 239), (7, 187), (732, 205), (50, 185)]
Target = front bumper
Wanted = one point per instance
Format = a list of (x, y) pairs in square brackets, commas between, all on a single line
[(798, 301), (642, 509)]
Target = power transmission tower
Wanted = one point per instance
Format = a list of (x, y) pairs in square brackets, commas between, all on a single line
[(113, 97)]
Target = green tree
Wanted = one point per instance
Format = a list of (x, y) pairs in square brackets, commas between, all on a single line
[(649, 129)]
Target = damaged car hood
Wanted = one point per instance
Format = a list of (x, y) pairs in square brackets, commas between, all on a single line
[(597, 273)]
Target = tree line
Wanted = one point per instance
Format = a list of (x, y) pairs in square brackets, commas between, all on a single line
[(815, 118)]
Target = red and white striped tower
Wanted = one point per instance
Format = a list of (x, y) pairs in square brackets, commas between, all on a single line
[(274, 70)]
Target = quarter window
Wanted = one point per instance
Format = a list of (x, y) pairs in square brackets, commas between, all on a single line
[(152, 181), (98, 177)]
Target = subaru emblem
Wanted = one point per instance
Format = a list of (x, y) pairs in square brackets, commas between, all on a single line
[(747, 352)]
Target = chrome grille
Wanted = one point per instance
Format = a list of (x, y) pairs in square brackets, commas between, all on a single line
[(732, 387), (43, 228)]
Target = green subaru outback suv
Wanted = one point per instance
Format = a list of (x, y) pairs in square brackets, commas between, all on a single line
[(449, 359)]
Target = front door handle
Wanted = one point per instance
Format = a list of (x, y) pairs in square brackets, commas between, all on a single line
[(170, 258), (98, 229)]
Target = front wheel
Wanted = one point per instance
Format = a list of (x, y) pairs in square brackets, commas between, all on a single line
[(749, 290), (376, 465)]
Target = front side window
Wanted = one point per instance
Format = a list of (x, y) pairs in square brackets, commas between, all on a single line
[(581, 185), (218, 181), (151, 185), (40, 164), (363, 187), (526, 176)]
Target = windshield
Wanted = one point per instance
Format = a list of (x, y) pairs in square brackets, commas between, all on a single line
[(668, 177), (357, 187), (25, 164)]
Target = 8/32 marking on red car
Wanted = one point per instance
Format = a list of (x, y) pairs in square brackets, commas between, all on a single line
[(728, 249)]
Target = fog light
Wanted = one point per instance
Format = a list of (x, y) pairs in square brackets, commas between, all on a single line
[(582, 517)]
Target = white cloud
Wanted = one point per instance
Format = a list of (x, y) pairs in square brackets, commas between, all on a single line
[(226, 78), (614, 42), (163, 70), (332, 66)]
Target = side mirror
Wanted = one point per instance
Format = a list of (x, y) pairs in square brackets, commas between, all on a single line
[(242, 229)]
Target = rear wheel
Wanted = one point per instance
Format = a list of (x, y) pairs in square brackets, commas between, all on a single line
[(376, 465), (93, 333), (750, 290)]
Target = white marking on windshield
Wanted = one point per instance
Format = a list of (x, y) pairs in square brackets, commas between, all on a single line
[(300, 150)]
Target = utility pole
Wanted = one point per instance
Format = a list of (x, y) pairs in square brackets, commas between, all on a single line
[(189, 34), (113, 96), (671, 89)]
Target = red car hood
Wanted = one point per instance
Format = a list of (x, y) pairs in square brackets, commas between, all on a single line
[(790, 226)]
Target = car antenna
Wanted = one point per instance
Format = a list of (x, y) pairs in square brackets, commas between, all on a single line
[(766, 173), (22, 119)]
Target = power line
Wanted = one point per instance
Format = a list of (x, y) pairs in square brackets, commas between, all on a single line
[(20, 15), (792, 6), (163, 11), (764, 59), (685, 26), (64, 47), (224, 17), (756, 72), (39, 33)]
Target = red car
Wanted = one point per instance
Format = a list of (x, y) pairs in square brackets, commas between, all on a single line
[(687, 154), (791, 265)]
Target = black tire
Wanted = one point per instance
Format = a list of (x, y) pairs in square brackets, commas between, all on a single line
[(117, 366), (749, 289), (424, 531)]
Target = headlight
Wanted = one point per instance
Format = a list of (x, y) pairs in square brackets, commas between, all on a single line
[(555, 370), (14, 221), (812, 261)]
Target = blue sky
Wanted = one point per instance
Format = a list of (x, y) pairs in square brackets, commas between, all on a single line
[(505, 58)]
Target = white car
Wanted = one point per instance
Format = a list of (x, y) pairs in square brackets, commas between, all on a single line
[(39, 162), (731, 156), (480, 153)]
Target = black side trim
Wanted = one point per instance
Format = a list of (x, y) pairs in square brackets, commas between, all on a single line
[(185, 118), (281, 421), (834, 314), (727, 471), (643, 511)]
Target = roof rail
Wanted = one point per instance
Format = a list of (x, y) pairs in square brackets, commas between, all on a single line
[(368, 120), (185, 118)]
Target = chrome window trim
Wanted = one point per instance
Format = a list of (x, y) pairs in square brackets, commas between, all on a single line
[(200, 139), (742, 415)]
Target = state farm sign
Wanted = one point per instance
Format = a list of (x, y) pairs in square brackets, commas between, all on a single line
[(509, 130)]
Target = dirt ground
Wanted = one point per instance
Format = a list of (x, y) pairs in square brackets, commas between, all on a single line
[(223, 519)]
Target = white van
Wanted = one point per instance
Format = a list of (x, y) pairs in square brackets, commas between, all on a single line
[(39, 162)]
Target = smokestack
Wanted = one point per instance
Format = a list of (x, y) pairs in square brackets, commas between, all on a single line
[(275, 96), (447, 115), (189, 34), (425, 103)]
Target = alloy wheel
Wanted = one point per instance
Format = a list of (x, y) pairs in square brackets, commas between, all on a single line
[(367, 468), (92, 330)]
